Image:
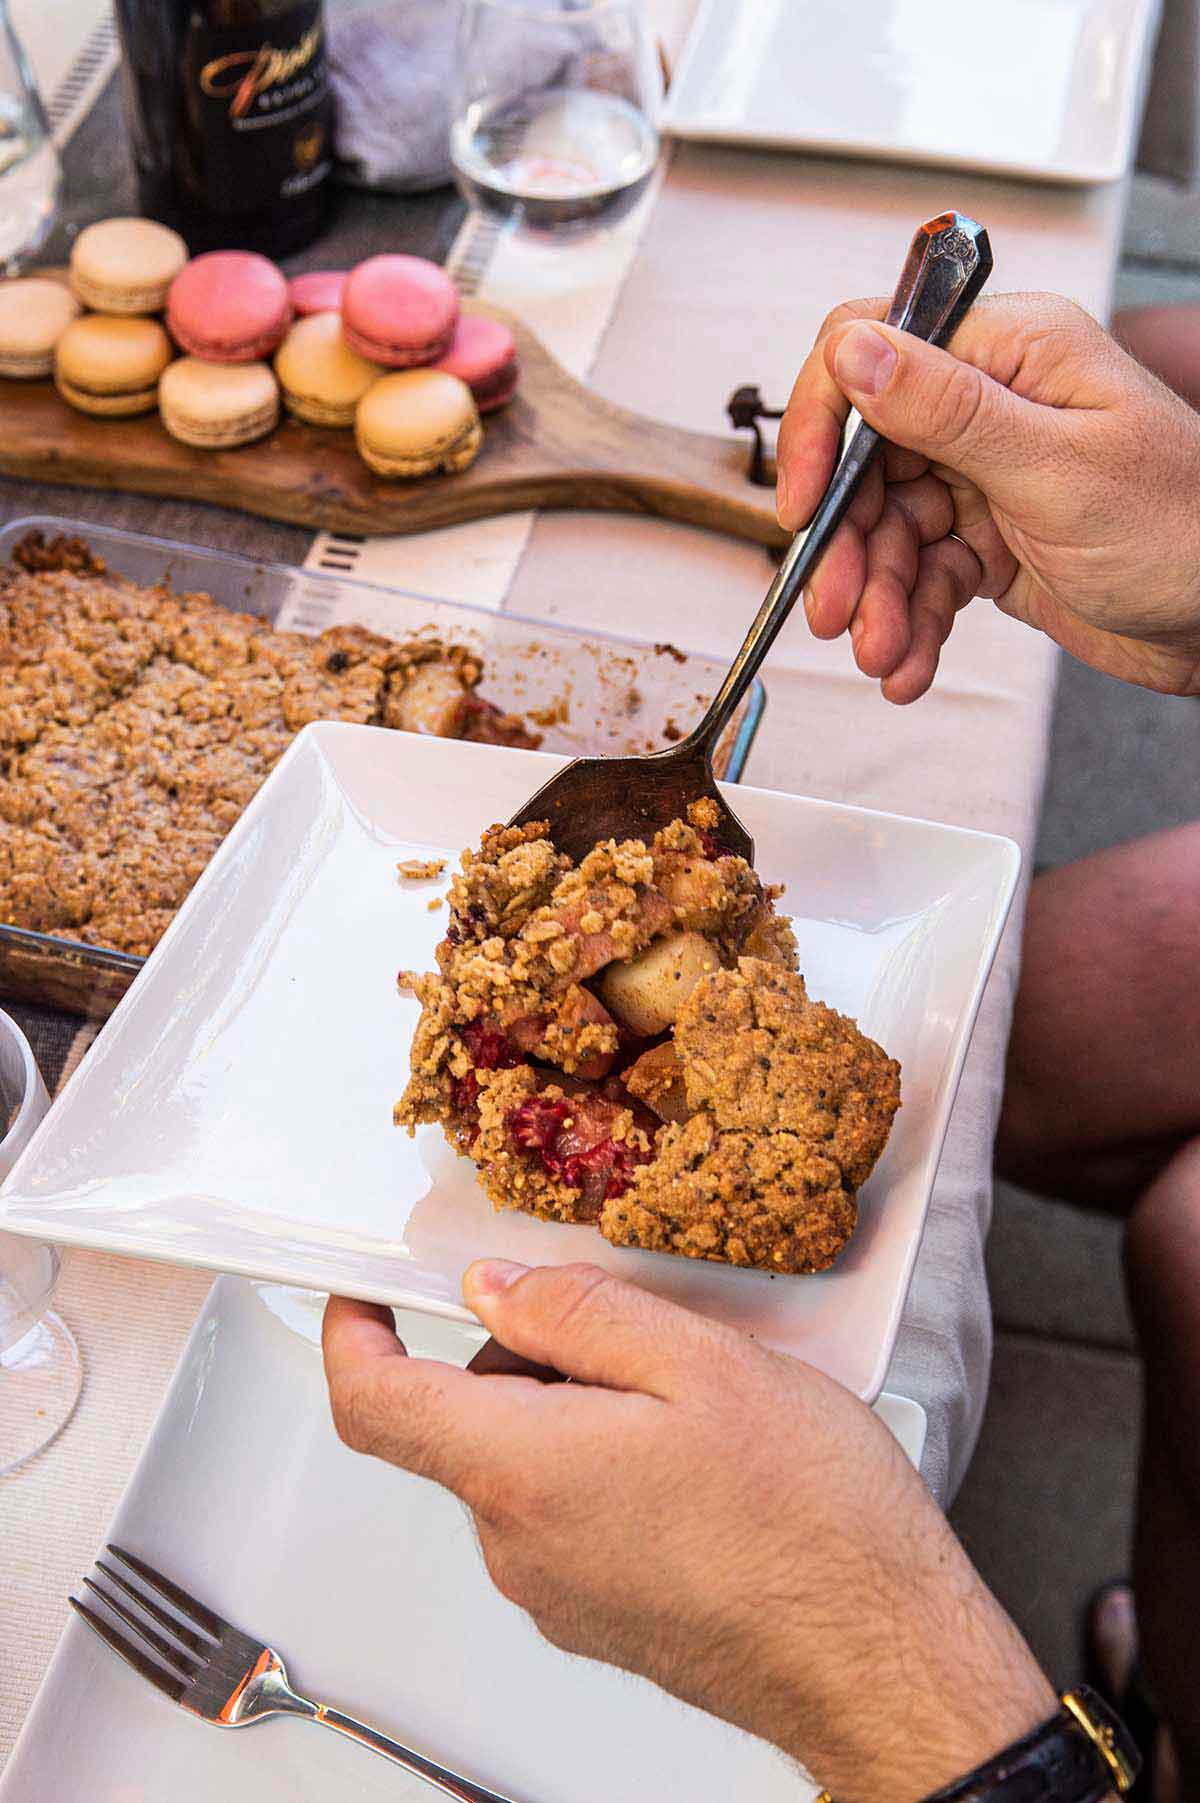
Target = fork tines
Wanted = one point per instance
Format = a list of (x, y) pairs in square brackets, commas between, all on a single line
[(171, 1660)]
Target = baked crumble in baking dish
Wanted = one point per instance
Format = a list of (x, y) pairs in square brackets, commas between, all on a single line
[(628, 1043), (137, 723)]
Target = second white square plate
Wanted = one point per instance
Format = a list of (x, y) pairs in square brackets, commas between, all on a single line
[(1045, 89), (236, 1112)]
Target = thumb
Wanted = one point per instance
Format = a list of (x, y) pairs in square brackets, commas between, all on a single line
[(932, 402), (593, 1327)]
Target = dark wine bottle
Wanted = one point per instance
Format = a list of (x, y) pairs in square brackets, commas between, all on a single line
[(229, 108)]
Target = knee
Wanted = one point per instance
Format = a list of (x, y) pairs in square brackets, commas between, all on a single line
[(1162, 1255), (1021, 1132)]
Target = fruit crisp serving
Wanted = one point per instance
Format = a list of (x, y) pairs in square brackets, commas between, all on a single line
[(136, 724), (627, 1042)]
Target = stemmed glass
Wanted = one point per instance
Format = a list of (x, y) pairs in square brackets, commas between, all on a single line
[(30, 174), (553, 122), (41, 1373)]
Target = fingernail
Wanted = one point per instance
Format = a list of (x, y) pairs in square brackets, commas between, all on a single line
[(781, 496), (491, 1276), (864, 360)]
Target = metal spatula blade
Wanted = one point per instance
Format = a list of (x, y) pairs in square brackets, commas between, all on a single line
[(594, 799)]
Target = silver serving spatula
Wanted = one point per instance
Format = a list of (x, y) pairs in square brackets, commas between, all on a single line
[(594, 799)]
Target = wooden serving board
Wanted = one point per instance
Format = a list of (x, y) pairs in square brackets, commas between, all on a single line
[(556, 445)]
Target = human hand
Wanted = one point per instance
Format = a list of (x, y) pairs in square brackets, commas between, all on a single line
[(717, 1517), (1068, 475)]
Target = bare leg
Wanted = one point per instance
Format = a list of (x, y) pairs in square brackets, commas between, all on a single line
[(1102, 1106), (1103, 1081), (1163, 1270), (1166, 340), (1113, 1631)]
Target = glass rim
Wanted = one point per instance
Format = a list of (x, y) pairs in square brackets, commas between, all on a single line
[(545, 11), (30, 1085)]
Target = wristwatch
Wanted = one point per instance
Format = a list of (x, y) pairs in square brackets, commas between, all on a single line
[(1081, 1754)]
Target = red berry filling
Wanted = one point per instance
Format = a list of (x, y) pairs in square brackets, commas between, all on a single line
[(489, 1049), (710, 845), (573, 1142), (537, 1123), (464, 1094), (604, 1171)]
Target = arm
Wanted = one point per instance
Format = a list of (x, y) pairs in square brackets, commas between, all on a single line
[(1036, 464), (721, 1519)]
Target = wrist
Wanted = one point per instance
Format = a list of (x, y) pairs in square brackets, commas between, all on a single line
[(955, 1684)]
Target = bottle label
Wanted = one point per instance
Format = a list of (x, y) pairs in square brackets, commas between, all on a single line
[(259, 99)]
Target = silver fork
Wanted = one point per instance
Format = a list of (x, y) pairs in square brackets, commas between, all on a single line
[(206, 1665)]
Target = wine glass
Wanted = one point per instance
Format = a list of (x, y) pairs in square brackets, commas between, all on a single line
[(553, 121), (30, 173), (41, 1373)]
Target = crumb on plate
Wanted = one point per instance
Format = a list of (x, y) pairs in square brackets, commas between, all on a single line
[(417, 870)]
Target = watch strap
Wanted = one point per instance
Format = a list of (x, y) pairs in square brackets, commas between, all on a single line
[(1081, 1754)]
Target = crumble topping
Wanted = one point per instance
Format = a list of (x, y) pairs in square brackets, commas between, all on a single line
[(627, 1043), (137, 723), (416, 870)]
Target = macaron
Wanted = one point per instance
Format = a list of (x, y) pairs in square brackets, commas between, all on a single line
[(110, 366), (218, 405), (483, 354), (416, 422), (399, 310), (320, 291), (34, 314), (126, 265), (229, 306), (322, 379)]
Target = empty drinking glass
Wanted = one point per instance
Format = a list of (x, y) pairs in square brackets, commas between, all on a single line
[(553, 121), (30, 176), (40, 1368)]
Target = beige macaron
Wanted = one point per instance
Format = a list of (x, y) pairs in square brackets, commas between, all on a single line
[(126, 265), (322, 379), (218, 405), (111, 367), (417, 421), (34, 314)]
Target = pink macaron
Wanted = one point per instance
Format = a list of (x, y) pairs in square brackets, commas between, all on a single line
[(229, 306), (483, 354), (399, 311), (320, 291)]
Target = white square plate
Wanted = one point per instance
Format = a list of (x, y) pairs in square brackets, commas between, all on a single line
[(1045, 89), (236, 1111), (370, 1583)]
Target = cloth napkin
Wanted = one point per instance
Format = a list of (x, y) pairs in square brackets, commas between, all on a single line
[(394, 72)]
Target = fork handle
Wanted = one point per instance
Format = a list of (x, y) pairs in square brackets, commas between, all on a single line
[(948, 262), (449, 1783)]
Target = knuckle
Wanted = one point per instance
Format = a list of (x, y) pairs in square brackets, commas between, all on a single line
[(355, 1414), (508, 1571), (494, 1496), (842, 315), (1059, 310), (953, 404), (401, 1428), (576, 1293)]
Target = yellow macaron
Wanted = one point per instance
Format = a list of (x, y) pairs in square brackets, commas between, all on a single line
[(218, 405), (126, 265), (415, 422), (34, 314), (322, 379), (109, 366)]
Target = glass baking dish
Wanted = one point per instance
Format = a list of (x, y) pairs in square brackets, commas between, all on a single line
[(595, 693)]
